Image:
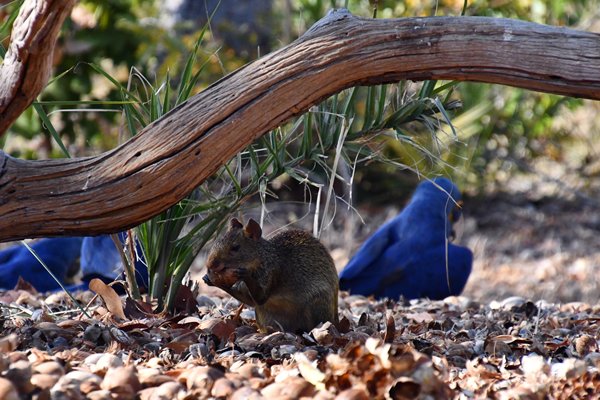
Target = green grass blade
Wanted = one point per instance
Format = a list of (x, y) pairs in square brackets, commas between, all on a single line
[(126, 92), (447, 118), (427, 89), (46, 121), (55, 278), (166, 97)]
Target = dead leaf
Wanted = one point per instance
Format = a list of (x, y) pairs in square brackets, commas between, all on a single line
[(325, 334), (405, 388), (190, 321), (309, 371), (133, 309), (224, 329), (179, 347), (22, 284), (344, 325), (109, 296), (9, 343), (185, 300), (390, 329), (420, 317), (497, 347)]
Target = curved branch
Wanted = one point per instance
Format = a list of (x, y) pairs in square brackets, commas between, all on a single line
[(159, 166), (26, 68)]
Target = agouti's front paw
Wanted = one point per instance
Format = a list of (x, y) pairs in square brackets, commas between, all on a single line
[(224, 278)]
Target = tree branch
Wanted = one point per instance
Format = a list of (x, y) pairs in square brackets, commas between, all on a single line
[(159, 166), (26, 68)]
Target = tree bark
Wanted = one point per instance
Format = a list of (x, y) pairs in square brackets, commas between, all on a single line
[(28, 62), (152, 171)]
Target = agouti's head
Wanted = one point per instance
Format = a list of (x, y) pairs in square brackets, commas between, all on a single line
[(237, 248)]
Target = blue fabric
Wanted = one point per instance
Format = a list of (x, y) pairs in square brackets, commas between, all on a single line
[(411, 255), (58, 254), (98, 257)]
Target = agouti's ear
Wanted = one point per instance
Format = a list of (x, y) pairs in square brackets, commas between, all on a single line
[(234, 223), (253, 230)]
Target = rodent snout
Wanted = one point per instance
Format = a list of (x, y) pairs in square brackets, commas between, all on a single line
[(207, 280)]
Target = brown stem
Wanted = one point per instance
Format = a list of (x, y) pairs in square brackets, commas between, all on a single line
[(28, 62)]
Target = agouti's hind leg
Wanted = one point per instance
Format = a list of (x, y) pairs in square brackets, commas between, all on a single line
[(322, 312)]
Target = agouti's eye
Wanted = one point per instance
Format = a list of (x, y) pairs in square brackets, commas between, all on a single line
[(235, 247)]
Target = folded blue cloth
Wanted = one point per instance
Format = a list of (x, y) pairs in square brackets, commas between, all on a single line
[(98, 257), (59, 254), (411, 255)]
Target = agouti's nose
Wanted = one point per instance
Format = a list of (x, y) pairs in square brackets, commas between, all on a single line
[(206, 280)]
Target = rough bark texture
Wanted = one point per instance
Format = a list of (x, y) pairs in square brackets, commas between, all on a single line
[(159, 166), (26, 68)]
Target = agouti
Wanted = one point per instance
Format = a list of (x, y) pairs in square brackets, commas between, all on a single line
[(290, 280)]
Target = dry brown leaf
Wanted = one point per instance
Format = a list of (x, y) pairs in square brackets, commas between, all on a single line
[(9, 343), (422, 317), (191, 320), (325, 333), (22, 284), (344, 325), (109, 296), (309, 371), (133, 310), (218, 327), (185, 300), (179, 347), (390, 329), (404, 388)]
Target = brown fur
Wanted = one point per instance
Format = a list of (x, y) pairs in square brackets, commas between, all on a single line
[(290, 279)]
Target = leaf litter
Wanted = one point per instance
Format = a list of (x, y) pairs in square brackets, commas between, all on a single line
[(505, 346), (456, 348)]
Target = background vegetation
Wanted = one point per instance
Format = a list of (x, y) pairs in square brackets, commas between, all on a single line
[(499, 127)]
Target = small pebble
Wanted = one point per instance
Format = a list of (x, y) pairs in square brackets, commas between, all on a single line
[(92, 333), (568, 369), (19, 373), (153, 347), (44, 381), (104, 363), (151, 377), (293, 387), (205, 301), (121, 380), (353, 394), (246, 393), (248, 371), (50, 368), (7, 390), (100, 395), (202, 378), (223, 388), (593, 360), (168, 391), (75, 378)]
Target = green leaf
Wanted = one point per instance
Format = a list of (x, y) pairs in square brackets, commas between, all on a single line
[(46, 121), (37, 257)]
